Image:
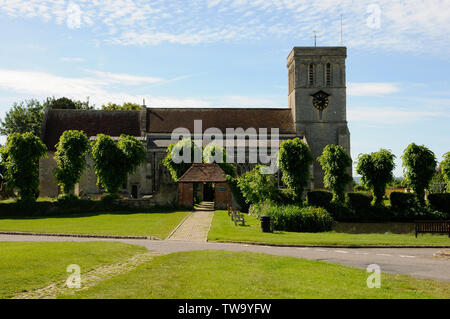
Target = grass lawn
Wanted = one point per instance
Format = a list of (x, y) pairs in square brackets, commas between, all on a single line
[(123, 224), (223, 228), (27, 266), (219, 274)]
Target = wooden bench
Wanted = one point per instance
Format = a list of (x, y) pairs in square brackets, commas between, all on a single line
[(236, 216), (433, 226)]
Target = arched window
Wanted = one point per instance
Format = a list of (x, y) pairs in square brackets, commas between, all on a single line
[(328, 74), (311, 74)]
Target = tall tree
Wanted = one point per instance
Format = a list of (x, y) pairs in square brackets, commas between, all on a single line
[(419, 166), (335, 162), (376, 171), (445, 168), (113, 161), (70, 156), (25, 116), (295, 159), (21, 163)]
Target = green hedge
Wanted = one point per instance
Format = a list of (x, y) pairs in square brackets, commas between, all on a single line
[(358, 201), (299, 219), (404, 205), (440, 202), (319, 198), (63, 206), (402, 201)]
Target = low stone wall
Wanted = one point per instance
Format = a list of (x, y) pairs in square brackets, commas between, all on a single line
[(136, 204)]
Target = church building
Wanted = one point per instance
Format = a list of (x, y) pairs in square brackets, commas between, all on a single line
[(316, 113)]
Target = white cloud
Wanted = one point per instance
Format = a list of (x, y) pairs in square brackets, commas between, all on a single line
[(126, 79), (69, 59), (404, 25), (371, 88), (103, 87)]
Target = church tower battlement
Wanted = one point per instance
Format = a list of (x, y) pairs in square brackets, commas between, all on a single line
[(317, 99)]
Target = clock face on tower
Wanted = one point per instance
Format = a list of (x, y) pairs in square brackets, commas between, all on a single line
[(320, 100)]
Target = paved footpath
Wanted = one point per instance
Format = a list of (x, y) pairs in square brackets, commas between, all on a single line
[(417, 262), (195, 227)]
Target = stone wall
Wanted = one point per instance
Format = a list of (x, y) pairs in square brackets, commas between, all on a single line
[(136, 204)]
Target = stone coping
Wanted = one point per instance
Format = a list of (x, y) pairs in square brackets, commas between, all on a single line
[(78, 235)]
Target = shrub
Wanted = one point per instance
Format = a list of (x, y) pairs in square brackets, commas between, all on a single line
[(358, 202), (286, 196), (67, 198), (341, 212), (257, 187), (319, 198), (299, 219), (402, 201), (440, 202), (108, 198)]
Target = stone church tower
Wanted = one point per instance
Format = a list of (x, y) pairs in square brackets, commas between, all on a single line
[(317, 99)]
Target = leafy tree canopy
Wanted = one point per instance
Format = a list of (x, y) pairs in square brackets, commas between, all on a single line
[(419, 166), (70, 158), (445, 169), (180, 156), (295, 159), (113, 161), (65, 103), (23, 117), (376, 171), (335, 161), (257, 187), (20, 161), (127, 106), (27, 116)]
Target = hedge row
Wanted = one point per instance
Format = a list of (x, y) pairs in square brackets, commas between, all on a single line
[(358, 208), (62, 207), (440, 202), (296, 218)]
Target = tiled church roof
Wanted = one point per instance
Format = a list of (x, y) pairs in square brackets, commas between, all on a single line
[(92, 122), (161, 120), (165, 120)]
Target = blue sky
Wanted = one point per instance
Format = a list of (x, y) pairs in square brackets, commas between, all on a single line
[(232, 53)]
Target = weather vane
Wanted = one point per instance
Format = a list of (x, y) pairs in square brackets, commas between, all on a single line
[(315, 37)]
